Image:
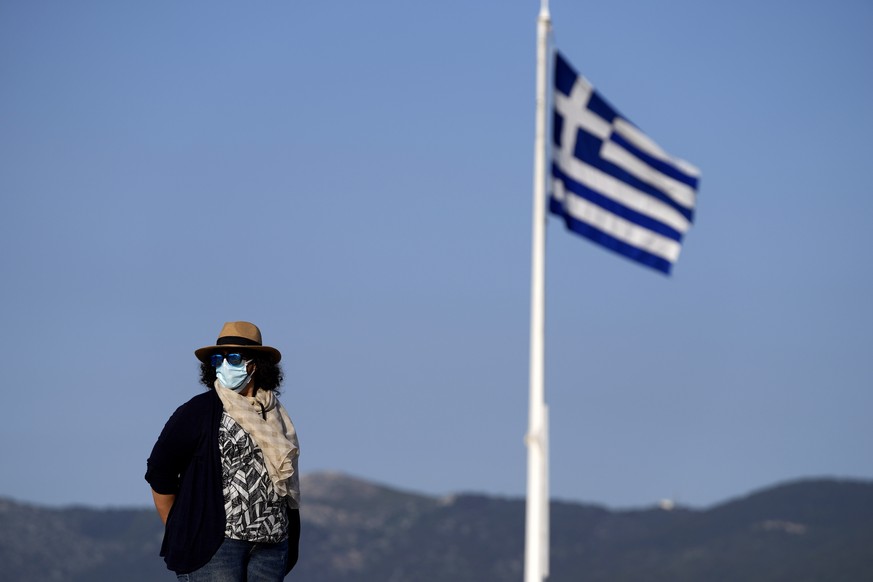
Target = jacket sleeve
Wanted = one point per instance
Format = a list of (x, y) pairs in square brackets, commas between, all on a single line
[(173, 451), (293, 539)]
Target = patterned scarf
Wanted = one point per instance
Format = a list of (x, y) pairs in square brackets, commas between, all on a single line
[(275, 436)]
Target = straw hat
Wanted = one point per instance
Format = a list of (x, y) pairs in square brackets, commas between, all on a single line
[(238, 334)]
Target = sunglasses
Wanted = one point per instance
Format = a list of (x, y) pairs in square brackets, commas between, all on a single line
[(232, 359)]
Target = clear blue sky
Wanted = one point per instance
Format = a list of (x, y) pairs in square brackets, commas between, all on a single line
[(355, 178)]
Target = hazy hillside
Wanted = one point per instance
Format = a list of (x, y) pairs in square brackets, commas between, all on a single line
[(816, 530)]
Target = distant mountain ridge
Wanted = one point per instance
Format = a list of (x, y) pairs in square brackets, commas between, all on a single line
[(354, 530)]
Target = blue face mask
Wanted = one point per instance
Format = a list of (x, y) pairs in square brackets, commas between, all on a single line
[(233, 377)]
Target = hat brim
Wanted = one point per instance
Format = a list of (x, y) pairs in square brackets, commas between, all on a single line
[(203, 353)]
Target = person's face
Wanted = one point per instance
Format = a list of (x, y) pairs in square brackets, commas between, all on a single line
[(234, 358)]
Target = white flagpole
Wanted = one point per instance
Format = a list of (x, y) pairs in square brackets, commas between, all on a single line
[(536, 547)]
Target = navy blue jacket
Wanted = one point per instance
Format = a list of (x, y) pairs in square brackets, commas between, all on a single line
[(186, 462)]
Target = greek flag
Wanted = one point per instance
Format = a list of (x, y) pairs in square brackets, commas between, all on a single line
[(611, 183)]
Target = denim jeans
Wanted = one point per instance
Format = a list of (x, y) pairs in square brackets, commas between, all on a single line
[(241, 561)]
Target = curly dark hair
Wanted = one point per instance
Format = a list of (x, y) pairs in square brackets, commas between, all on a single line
[(268, 376)]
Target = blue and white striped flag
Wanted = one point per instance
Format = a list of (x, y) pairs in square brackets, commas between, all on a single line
[(611, 183)]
